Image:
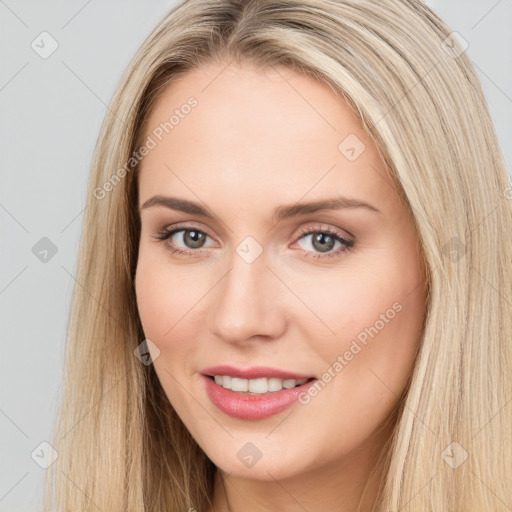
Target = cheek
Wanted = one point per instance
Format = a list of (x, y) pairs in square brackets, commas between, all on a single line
[(153, 305), (160, 306), (172, 305), (371, 316), (342, 304), (164, 319), (369, 359)]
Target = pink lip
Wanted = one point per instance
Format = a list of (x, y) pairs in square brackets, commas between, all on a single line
[(252, 407), (255, 372)]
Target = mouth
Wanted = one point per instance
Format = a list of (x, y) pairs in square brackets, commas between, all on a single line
[(254, 399)]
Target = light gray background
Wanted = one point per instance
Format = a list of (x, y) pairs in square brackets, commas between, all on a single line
[(52, 110)]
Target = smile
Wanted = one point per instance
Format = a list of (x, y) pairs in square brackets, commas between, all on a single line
[(254, 405)]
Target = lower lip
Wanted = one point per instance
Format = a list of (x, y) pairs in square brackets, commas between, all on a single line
[(253, 407)]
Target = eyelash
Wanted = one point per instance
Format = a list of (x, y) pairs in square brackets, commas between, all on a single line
[(165, 234)]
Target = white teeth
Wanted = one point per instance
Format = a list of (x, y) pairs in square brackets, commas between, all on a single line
[(289, 383), (256, 386), (275, 384), (239, 384)]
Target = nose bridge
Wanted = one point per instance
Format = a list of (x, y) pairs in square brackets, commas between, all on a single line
[(245, 303)]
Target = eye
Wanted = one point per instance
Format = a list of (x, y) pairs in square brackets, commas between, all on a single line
[(321, 240), (324, 241), (192, 237)]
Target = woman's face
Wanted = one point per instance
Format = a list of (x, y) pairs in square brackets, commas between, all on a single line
[(333, 294)]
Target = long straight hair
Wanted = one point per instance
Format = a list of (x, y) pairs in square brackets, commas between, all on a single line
[(121, 445)]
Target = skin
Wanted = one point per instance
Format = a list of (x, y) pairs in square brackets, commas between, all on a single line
[(258, 139)]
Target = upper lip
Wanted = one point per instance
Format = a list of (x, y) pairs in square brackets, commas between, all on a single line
[(254, 372)]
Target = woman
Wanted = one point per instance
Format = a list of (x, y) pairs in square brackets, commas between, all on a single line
[(205, 370)]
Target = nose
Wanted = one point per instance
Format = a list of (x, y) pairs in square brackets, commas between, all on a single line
[(247, 303)]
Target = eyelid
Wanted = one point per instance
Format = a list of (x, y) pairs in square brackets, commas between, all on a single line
[(322, 226), (319, 226), (188, 226)]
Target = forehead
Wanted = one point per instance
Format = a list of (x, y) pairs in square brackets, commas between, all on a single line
[(254, 134)]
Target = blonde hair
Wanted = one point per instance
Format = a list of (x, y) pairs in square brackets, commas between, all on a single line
[(121, 445)]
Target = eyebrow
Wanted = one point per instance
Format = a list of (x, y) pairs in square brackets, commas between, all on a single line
[(280, 213)]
